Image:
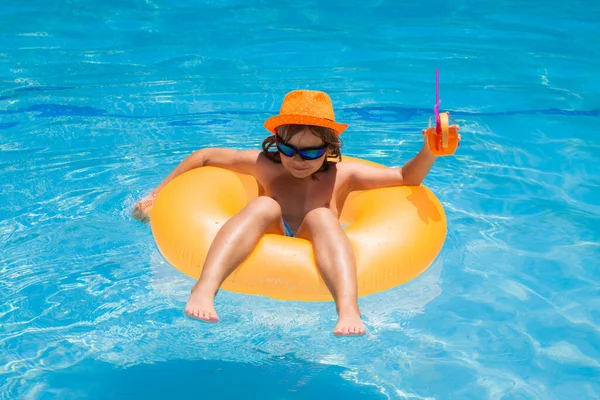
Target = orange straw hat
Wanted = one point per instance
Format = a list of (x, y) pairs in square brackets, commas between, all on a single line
[(306, 107)]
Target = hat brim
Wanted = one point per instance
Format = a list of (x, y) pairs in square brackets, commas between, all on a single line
[(272, 123)]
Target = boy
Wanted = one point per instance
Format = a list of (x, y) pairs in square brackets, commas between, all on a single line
[(301, 194)]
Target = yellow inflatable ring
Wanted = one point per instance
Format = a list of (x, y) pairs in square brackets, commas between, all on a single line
[(396, 233)]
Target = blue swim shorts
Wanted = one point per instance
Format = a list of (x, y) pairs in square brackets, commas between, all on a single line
[(288, 230)]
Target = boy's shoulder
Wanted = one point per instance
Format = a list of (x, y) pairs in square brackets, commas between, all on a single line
[(346, 166)]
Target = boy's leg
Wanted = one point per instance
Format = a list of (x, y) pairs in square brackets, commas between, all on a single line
[(335, 259), (233, 243)]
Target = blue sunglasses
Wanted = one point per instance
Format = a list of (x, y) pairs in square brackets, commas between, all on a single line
[(306, 153)]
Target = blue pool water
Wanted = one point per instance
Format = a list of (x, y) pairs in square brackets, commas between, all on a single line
[(99, 100)]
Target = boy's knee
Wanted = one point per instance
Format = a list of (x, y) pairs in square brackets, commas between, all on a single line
[(318, 216), (317, 221), (267, 206)]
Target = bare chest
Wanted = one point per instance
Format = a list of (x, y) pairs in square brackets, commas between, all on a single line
[(297, 197)]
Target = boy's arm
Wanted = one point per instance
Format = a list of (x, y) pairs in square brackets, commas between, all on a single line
[(416, 169), (238, 161), (242, 161), (365, 177)]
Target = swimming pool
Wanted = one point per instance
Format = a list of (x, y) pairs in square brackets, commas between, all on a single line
[(100, 100)]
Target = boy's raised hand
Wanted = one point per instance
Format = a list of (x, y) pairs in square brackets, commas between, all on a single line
[(142, 208), (424, 133)]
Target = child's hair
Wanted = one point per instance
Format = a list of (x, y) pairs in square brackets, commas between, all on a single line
[(286, 132)]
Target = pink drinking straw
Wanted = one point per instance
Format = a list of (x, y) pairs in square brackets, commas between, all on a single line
[(436, 108)]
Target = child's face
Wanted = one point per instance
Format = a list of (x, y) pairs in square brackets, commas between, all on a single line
[(298, 167)]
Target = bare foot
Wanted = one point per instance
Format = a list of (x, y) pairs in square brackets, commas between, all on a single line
[(201, 305), (349, 324)]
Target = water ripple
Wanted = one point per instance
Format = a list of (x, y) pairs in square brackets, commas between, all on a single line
[(97, 107)]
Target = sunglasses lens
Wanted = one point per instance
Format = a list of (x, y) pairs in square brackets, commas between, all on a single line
[(285, 150), (311, 154)]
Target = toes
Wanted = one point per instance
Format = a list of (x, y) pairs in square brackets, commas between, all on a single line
[(349, 330), (207, 316), (211, 316), (339, 330)]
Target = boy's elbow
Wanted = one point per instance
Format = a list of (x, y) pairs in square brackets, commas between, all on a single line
[(409, 179), (198, 158), (413, 182)]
